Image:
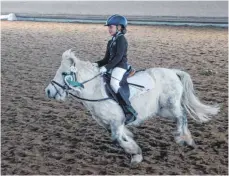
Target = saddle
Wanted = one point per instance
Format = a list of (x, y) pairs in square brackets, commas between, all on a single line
[(131, 72)]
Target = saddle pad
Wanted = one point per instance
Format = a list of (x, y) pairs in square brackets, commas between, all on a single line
[(141, 78)]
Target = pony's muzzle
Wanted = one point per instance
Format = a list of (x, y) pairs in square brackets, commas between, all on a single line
[(48, 93)]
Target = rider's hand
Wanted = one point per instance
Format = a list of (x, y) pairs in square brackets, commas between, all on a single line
[(95, 64), (103, 70)]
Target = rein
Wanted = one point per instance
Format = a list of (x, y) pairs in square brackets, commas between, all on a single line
[(85, 99), (66, 87)]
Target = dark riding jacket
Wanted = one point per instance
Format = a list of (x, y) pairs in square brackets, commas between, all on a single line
[(116, 53)]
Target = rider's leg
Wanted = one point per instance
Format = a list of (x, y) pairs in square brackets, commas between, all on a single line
[(116, 77), (125, 99)]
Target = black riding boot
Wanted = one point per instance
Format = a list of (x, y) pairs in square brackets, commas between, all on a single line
[(129, 111)]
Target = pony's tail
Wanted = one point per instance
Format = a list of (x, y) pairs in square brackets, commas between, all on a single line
[(197, 110)]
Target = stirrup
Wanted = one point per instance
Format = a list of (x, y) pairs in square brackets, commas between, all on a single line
[(130, 118), (131, 110)]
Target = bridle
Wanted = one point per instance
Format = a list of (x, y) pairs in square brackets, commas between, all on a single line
[(70, 81)]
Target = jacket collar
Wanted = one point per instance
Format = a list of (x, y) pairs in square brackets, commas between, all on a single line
[(116, 35)]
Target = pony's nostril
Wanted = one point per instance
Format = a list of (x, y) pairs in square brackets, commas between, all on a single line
[(48, 92)]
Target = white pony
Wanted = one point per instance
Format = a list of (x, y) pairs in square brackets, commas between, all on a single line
[(172, 95)]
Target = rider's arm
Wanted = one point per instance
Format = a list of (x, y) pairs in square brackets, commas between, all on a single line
[(104, 61), (121, 48)]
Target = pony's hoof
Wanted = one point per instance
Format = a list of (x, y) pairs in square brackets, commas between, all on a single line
[(183, 140), (179, 140), (192, 144), (115, 142), (136, 159), (181, 143)]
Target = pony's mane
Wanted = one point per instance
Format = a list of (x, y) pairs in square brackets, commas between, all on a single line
[(80, 64)]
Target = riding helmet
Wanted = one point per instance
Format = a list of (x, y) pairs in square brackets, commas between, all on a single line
[(116, 20)]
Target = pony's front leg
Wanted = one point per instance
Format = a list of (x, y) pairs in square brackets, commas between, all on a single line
[(124, 139), (101, 123)]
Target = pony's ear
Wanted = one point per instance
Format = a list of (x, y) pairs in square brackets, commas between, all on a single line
[(68, 57), (68, 61), (73, 55)]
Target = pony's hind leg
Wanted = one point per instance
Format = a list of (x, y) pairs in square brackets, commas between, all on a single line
[(183, 134), (125, 140)]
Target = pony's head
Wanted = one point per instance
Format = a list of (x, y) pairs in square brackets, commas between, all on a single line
[(67, 77)]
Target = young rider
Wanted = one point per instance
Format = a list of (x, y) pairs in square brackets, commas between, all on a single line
[(115, 61)]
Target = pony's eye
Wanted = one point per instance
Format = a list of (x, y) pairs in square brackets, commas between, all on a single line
[(64, 73)]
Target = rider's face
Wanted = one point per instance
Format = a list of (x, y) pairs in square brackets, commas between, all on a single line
[(112, 29)]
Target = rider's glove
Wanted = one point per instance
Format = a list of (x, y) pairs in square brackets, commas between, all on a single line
[(103, 70)]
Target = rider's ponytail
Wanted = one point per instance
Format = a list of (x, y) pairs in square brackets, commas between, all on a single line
[(123, 30)]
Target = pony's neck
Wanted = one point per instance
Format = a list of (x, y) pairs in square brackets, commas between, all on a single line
[(92, 89)]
